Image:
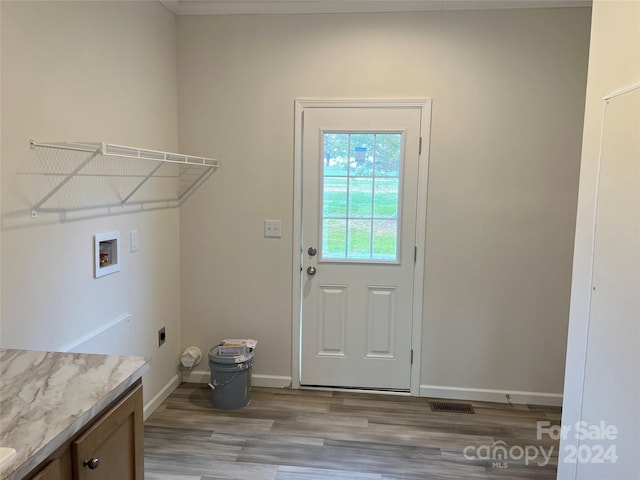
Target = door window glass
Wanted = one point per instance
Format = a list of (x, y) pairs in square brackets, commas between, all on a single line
[(360, 192)]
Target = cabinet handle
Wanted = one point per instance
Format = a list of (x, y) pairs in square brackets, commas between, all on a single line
[(92, 464)]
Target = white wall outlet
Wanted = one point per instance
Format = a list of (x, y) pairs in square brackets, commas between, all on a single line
[(273, 228), (134, 240)]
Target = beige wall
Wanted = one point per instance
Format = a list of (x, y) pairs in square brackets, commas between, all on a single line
[(507, 90), (87, 71), (508, 93), (0, 172), (602, 382)]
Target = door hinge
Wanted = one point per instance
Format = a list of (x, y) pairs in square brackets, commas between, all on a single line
[(420, 146), (412, 356), (415, 253)]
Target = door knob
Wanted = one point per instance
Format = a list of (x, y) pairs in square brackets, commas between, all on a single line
[(92, 464), (311, 270)]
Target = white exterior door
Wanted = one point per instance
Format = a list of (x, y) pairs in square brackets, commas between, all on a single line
[(359, 189)]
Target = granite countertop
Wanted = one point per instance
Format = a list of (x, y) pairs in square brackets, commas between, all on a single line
[(47, 397)]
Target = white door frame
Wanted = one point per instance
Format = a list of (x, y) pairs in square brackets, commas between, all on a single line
[(303, 104)]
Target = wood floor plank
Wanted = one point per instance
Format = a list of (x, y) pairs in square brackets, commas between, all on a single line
[(203, 420), (169, 476), (307, 473), (287, 434)]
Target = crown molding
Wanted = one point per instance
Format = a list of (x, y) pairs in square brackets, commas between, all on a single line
[(231, 7), (172, 5)]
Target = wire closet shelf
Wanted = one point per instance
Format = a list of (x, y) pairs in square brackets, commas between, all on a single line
[(92, 175)]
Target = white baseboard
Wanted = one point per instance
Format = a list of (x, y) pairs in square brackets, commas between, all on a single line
[(431, 391), (488, 395), (271, 381), (196, 376), (161, 396), (257, 380)]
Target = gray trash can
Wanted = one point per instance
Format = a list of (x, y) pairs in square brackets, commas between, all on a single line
[(230, 379)]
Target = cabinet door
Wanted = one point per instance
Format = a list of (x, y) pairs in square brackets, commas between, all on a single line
[(50, 472), (112, 448)]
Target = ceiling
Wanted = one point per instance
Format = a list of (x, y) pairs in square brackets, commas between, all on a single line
[(222, 7)]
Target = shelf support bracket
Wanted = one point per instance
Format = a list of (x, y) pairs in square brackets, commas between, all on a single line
[(34, 209), (142, 183), (195, 184)]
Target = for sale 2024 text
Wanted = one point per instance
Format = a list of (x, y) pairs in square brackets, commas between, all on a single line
[(596, 442)]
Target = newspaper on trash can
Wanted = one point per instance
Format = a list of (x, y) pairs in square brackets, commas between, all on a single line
[(237, 346)]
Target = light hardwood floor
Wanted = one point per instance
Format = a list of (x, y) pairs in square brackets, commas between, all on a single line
[(289, 434)]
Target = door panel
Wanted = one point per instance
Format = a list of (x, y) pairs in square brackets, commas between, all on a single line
[(359, 195), (332, 316), (381, 319)]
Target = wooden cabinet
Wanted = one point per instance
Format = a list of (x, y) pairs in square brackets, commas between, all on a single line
[(58, 467), (50, 472), (109, 448), (113, 446)]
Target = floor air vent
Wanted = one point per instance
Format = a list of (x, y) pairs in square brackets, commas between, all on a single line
[(451, 407)]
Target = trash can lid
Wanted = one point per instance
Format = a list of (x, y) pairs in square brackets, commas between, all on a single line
[(228, 359)]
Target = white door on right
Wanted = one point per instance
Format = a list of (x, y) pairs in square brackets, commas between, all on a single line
[(359, 199)]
